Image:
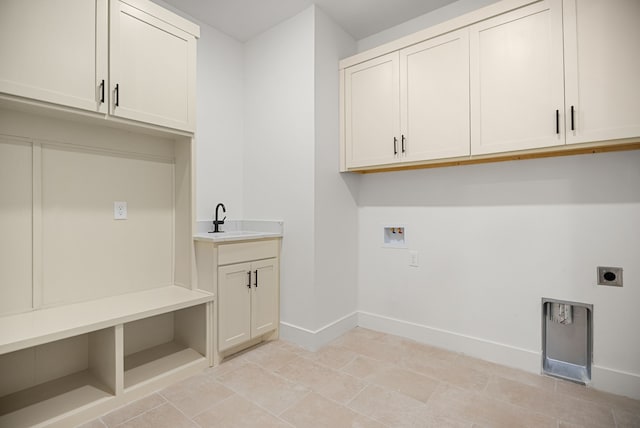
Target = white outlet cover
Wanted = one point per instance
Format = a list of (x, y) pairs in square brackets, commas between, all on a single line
[(413, 258), (120, 210)]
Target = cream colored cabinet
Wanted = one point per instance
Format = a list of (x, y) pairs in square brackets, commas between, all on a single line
[(152, 67), (410, 105), (245, 277), (372, 112), (248, 296), (434, 98), (517, 93), (64, 47), (55, 52), (602, 66)]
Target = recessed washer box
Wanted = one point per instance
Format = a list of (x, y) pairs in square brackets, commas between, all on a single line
[(394, 237)]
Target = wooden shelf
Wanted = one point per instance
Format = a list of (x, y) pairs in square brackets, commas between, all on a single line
[(46, 325), (161, 360), (51, 400)]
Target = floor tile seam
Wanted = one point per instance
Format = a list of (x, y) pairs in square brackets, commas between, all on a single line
[(597, 402), (552, 389), (326, 365), (214, 404), (291, 406), (183, 413), (246, 397), (418, 373), (139, 414), (553, 415), (333, 400), (371, 418)]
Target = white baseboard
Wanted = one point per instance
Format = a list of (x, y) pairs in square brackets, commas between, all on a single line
[(316, 339), (500, 353), (615, 381), (602, 378)]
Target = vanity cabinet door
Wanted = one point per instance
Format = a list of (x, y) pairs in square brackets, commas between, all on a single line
[(602, 65), (264, 298), (517, 80), (234, 305), (55, 51)]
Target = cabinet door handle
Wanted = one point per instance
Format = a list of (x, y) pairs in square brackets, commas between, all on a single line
[(117, 103), (102, 92), (249, 283), (573, 128), (403, 143), (395, 146), (557, 121), (256, 274)]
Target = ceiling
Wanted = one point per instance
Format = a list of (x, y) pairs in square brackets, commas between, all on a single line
[(244, 19)]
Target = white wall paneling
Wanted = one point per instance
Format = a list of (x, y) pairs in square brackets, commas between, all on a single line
[(67, 182), (16, 246)]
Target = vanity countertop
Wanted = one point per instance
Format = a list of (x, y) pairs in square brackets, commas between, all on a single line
[(239, 230)]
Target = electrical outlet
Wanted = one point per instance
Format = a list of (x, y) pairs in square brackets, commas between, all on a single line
[(119, 210), (413, 258), (610, 276)]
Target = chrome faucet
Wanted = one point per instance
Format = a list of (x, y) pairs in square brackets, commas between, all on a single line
[(216, 222)]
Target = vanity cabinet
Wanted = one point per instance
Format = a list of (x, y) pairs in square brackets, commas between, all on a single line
[(248, 294), (123, 59), (517, 89), (244, 275)]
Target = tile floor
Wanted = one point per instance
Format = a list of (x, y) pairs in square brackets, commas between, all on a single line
[(370, 379)]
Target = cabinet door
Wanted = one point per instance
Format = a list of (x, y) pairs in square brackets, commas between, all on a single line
[(517, 93), (153, 68), (265, 297), (234, 305), (372, 112), (434, 94), (602, 64), (54, 51)]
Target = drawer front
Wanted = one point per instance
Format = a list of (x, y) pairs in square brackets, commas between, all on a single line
[(247, 251)]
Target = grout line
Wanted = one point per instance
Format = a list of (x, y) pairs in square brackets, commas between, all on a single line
[(131, 402), (141, 414), (216, 403)]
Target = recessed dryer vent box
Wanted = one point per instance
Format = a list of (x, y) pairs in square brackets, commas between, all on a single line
[(394, 237)]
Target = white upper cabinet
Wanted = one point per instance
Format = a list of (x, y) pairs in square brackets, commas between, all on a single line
[(372, 112), (152, 68), (434, 98), (131, 55), (55, 51), (517, 95), (602, 65)]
